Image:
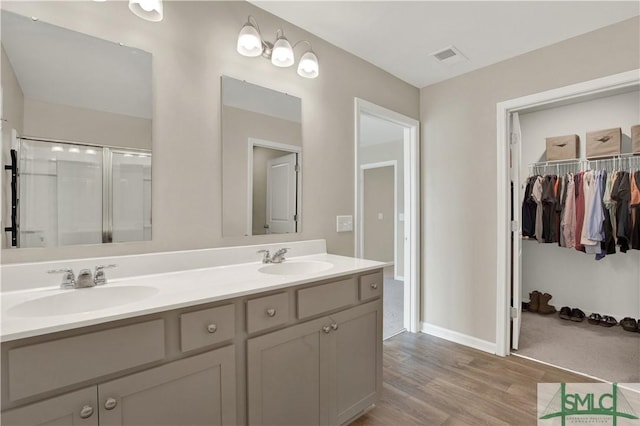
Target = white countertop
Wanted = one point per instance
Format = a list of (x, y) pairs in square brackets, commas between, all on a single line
[(172, 290)]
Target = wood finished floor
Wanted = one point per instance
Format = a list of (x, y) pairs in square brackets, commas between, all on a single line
[(431, 381)]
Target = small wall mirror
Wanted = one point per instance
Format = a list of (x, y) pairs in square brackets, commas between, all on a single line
[(77, 133), (261, 157)]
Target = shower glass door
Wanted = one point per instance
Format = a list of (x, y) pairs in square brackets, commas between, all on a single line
[(60, 194)]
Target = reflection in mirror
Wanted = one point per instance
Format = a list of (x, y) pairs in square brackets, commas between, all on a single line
[(261, 157), (77, 129)]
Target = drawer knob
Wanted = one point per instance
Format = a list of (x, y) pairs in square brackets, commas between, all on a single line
[(326, 329), (334, 326), (110, 403), (271, 312), (374, 286), (212, 328), (86, 412)]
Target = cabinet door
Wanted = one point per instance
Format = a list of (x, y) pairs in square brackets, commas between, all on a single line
[(72, 409), (356, 358), (200, 390), (288, 376)]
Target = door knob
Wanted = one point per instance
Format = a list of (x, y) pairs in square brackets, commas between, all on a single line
[(271, 312), (110, 403), (334, 326), (326, 329), (86, 412), (212, 328), (374, 286)]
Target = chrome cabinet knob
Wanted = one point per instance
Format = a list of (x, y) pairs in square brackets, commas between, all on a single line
[(212, 328), (110, 403), (271, 312), (326, 329), (334, 326), (374, 286), (86, 412)]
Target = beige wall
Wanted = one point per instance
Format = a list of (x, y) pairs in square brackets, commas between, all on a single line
[(13, 116), (386, 152), (55, 121), (192, 48), (238, 126), (378, 199), (459, 167)]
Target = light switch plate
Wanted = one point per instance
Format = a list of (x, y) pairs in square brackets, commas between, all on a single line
[(344, 223)]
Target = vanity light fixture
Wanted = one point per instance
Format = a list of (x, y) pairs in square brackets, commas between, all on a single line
[(252, 44), (151, 10)]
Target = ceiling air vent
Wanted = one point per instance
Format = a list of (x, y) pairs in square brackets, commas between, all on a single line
[(449, 55)]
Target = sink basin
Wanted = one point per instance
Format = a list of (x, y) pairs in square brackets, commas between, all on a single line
[(81, 300), (296, 267)]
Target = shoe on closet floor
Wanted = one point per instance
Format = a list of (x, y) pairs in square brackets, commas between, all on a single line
[(595, 318), (565, 313), (534, 301), (630, 324), (608, 321), (577, 315), (545, 308)]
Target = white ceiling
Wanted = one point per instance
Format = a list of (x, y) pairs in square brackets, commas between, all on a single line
[(398, 36)]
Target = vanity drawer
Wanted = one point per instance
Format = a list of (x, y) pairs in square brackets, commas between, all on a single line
[(268, 311), (51, 365), (207, 327), (371, 286), (326, 297)]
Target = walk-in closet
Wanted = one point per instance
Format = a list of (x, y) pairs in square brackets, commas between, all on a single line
[(579, 204)]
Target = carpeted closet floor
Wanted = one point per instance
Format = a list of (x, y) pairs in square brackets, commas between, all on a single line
[(611, 354)]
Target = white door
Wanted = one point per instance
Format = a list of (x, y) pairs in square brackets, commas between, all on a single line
[(281, 194), (516, 232)]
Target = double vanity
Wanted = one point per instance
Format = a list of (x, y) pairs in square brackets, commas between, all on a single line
[(238, 342)]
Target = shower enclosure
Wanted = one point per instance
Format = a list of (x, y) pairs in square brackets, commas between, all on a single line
[(71, 193)]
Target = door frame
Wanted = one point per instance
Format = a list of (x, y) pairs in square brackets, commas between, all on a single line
[(360, 219), (605, 86), (252, 142), (411, 202)]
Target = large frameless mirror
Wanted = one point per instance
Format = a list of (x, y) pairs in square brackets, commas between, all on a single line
[(261, 157), (76, 137)]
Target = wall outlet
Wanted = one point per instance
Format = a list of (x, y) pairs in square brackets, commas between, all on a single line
[(344, 223)]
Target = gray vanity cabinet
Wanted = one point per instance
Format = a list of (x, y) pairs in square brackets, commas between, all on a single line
[(199, 390), (322, 372), (194, 391), (77, 408)]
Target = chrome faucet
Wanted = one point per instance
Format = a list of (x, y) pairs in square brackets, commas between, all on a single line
[(99, 277), (278, 257), (68, 277), (85, 278), (266, 258)]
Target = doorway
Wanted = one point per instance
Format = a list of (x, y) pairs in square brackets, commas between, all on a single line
[(386, 147), (509, 283)]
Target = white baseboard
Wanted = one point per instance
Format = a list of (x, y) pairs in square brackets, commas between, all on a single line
[(457, 337)]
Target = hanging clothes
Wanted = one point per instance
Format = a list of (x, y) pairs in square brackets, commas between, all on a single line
[(529, 210), (621, 193), (635, 210), (568, 223), (549, 209), (536, 194), (579, 210)]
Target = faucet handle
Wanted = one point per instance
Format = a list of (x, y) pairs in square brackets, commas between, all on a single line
[(68, 279), (267, 256), (99, 276)]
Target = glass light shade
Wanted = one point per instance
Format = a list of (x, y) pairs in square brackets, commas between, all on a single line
[(249, 41), (308, 66), (150, 10), (282, 54)]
